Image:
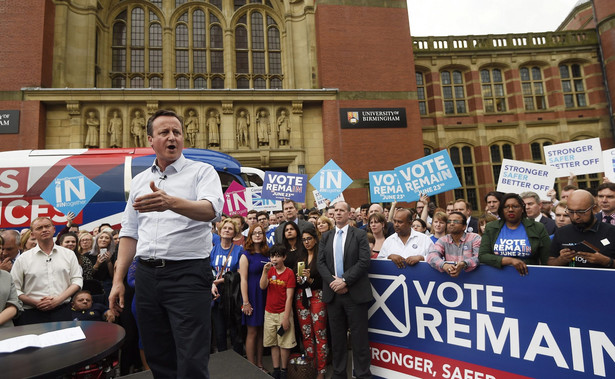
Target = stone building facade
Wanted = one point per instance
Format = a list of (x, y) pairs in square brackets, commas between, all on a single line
[(265, 80)]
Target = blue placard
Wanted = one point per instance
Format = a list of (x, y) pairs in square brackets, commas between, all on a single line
[(331, 180), (284, 185), (431, 175), (553, 323), (70, 191), (384, 186)]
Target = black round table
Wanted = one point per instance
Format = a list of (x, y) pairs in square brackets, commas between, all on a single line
[(101, 339)]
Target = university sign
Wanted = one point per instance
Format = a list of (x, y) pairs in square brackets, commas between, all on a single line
[(367, 118), (491, 323)]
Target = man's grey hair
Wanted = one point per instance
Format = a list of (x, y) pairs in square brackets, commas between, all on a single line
[(527, 195)]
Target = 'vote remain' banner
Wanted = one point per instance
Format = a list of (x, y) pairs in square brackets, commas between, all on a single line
[(430, 175), (491, 323)]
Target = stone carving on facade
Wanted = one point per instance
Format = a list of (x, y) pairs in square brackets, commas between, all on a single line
[(137, 130), (283, 126), (263, 128), (192, 127), (243, 123), (115, 130), (213, 128), (92, 125)]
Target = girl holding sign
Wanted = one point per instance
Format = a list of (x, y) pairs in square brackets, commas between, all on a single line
[(514, 239)]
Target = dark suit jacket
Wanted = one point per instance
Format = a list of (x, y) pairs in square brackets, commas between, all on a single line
[(472, 224), (549, 224), (303, 225), (356, 265)]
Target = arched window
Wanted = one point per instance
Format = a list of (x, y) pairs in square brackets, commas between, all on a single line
[(136, 48), (572, 85), (492, 86), (462, 157), (532, 87), (498, 152), (258, 55), (421, 94), (453, 92), (199, 50)]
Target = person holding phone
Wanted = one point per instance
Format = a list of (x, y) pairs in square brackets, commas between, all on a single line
[(311, 310), (586, 242)]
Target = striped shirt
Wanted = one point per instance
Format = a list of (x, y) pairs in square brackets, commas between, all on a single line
[(445, 250)]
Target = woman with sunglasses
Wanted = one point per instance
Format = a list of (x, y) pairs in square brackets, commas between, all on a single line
[(311, 310), (514, 239)]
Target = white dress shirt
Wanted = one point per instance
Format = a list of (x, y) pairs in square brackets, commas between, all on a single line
[(417, 244), (169, 235), (37, 274)]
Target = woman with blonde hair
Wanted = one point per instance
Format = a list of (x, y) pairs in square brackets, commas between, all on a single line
[(27, 241)]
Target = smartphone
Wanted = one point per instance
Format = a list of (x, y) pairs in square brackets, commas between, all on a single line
[(281, 331), (103, 252), (300, 268)]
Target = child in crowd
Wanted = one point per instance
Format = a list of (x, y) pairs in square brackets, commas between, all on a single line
[(84, 309), (278, 330)]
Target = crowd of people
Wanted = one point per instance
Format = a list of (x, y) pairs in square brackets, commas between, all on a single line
[(289, 280), (267, 292), (274, 286)]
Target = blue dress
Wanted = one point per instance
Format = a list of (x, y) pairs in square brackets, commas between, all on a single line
[(256, 296)]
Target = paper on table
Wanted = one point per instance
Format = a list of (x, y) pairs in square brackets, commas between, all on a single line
[(44, 340)]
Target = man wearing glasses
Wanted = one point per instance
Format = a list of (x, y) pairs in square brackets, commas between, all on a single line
[(457, 251), (586, 242)]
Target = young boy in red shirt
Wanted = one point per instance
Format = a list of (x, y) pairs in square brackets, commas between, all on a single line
[(278, 331)]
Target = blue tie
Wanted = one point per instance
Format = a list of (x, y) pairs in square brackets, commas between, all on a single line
[(339, 255)]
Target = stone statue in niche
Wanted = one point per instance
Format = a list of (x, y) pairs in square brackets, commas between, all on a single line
[(243, 122), (115, 131), (213, 128), (137, 130), (192, 127), (263, 128), (91, 124), (283, 128)]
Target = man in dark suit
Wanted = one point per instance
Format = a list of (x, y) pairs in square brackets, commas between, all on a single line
[(343, 263), (290, 214), (533, 205), (466, 208)]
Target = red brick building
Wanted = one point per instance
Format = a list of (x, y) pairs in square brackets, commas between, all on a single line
[(309, 60)]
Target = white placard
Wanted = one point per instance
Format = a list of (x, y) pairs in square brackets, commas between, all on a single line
[(255, 201), (608, 161), (321, 202), (518, 177), (578, 157)]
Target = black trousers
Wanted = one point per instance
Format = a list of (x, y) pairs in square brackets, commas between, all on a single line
[(174, 317), (34, 316), (342, 314)]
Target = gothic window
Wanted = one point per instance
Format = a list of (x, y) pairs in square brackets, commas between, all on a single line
[(258, 56), (199, 50), (136, 48)]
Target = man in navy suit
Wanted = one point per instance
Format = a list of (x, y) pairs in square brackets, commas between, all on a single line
[(343, 263), (532, 208)]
